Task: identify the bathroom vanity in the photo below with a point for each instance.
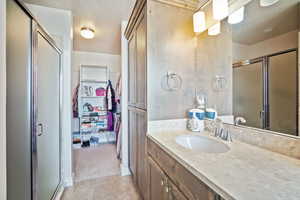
(168, 179)
(242, 172)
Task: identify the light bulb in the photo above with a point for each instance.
(199, 22)
(87, 33)
(220, 9)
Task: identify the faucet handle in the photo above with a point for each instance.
(239, 120)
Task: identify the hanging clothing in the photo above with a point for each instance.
(75, 102)
(110, 121)
(118, 89)
(110, 98)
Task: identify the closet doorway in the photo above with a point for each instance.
(95, 151)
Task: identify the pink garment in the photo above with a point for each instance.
(100, 92)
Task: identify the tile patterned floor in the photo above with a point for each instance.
(105, 188)
(96, 162)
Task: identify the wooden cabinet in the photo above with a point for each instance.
(182, 185)
(160, 186)
(132, 69)
(137, 64)
(132, 140)
(137, 95)
(174, 193)
(141, 119)
(157, 181)
(141, 69)
(137, 148)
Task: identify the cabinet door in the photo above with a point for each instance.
(141, 119)
(141, 65)
(133, 138)
(157, 182)
(132, 69)
(174, 193)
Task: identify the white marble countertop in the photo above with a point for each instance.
(245, 172)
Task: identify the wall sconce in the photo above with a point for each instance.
(237, 16)
(215, 29)
(199, 22)
(87, 33)
(220, 9)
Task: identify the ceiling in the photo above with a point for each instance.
(261, 23)
(104, 16)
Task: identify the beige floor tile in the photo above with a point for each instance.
(96, 162)
(105, 188)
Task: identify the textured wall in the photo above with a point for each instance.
(214, 57)
(171, 47)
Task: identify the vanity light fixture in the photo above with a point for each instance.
(237, 16)
(87, 33)
(199, 22)
(265, 3)
(215, 29)
(220, 9)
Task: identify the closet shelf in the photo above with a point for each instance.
(93, 81)
(93, 96)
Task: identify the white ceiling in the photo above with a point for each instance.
(104, 16)
(261, 23)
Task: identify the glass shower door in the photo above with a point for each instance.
(248, 93)
(47, 118)
(283, 93)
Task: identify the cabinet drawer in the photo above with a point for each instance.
(185, 181)
(164, 160)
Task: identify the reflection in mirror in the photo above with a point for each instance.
(265, 66)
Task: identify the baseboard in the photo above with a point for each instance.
(125, 170)
(68, 182)
(59, 193)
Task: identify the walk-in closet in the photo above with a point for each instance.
(97, 122)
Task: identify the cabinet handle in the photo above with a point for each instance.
(167, 189)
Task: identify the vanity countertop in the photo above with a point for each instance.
(245, 172)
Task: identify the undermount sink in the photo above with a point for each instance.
(201, 143)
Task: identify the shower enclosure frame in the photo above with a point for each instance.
(265, 60)
(37, 29)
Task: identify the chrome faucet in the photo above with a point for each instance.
(239, 120)
(221, 132)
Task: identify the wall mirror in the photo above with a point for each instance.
(265, 70)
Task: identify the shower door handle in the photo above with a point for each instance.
(40, 129)
(262, 114)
